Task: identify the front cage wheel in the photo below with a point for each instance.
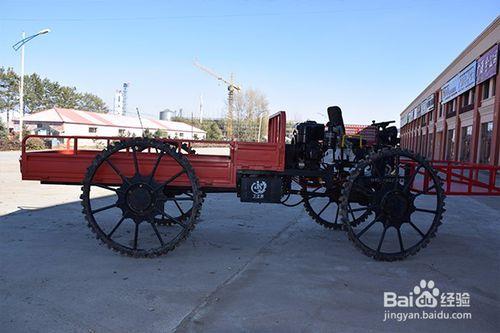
(150, 182)
(407, 200)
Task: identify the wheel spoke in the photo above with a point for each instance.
(416, 228)
(171, 179)
(361, 208)
(179, 207)
(136, 163)
(173, 219)
(103, 208)
(179, 199)
(321, 211)
(366, 190)
(359, 234)
(352, 214)
(136, 235)
(430, 211)
(396, 170)
(412, 179)
(106, 187)
(400, 238)
(116, 227)
(316, 189)
(157, 163)
(337, 214)
(157, 234)
(116, 170)
(427, 191)
(381, 240)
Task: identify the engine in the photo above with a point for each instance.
(306, 149)
(311, 141)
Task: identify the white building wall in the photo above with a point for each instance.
(83, 130)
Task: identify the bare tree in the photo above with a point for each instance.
(251, 115)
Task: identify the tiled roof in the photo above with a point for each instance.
(60, 115)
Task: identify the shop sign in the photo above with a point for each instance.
(460, 83)
(467, 78)
(487, 64)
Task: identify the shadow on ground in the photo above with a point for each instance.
(253, 268)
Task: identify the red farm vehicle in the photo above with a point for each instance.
(142, 196)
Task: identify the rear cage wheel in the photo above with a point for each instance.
(141, 214)
(322, 203)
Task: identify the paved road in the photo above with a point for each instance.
(251, 268)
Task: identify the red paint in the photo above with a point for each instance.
(69, 166)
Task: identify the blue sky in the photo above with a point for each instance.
(370, 57)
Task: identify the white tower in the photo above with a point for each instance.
(118, 106)
(124, 98)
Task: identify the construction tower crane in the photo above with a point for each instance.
(231, 88)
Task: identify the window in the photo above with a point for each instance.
(465, 99)
(465, 143)
(92, 129)
(485, 146)
(486, 89)
(121, 131)
(451, 107)
(450, 145)
(39, 125)
(181, 135)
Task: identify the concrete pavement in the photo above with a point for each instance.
(246, 268)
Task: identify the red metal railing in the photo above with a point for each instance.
(460, 178)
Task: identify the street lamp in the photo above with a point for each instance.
(16, 47)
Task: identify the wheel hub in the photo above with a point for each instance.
(396, 207)
(140, 197)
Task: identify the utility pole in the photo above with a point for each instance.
(201, 108)
(21, 93)
(192, 124)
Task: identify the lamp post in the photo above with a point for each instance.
(16, 47)
(260, 116)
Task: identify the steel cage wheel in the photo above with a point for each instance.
(405, 218)
(324, 207)
(127, 220)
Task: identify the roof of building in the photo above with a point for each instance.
(61, 115)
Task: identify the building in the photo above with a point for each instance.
(59, 121)
(457, 117)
